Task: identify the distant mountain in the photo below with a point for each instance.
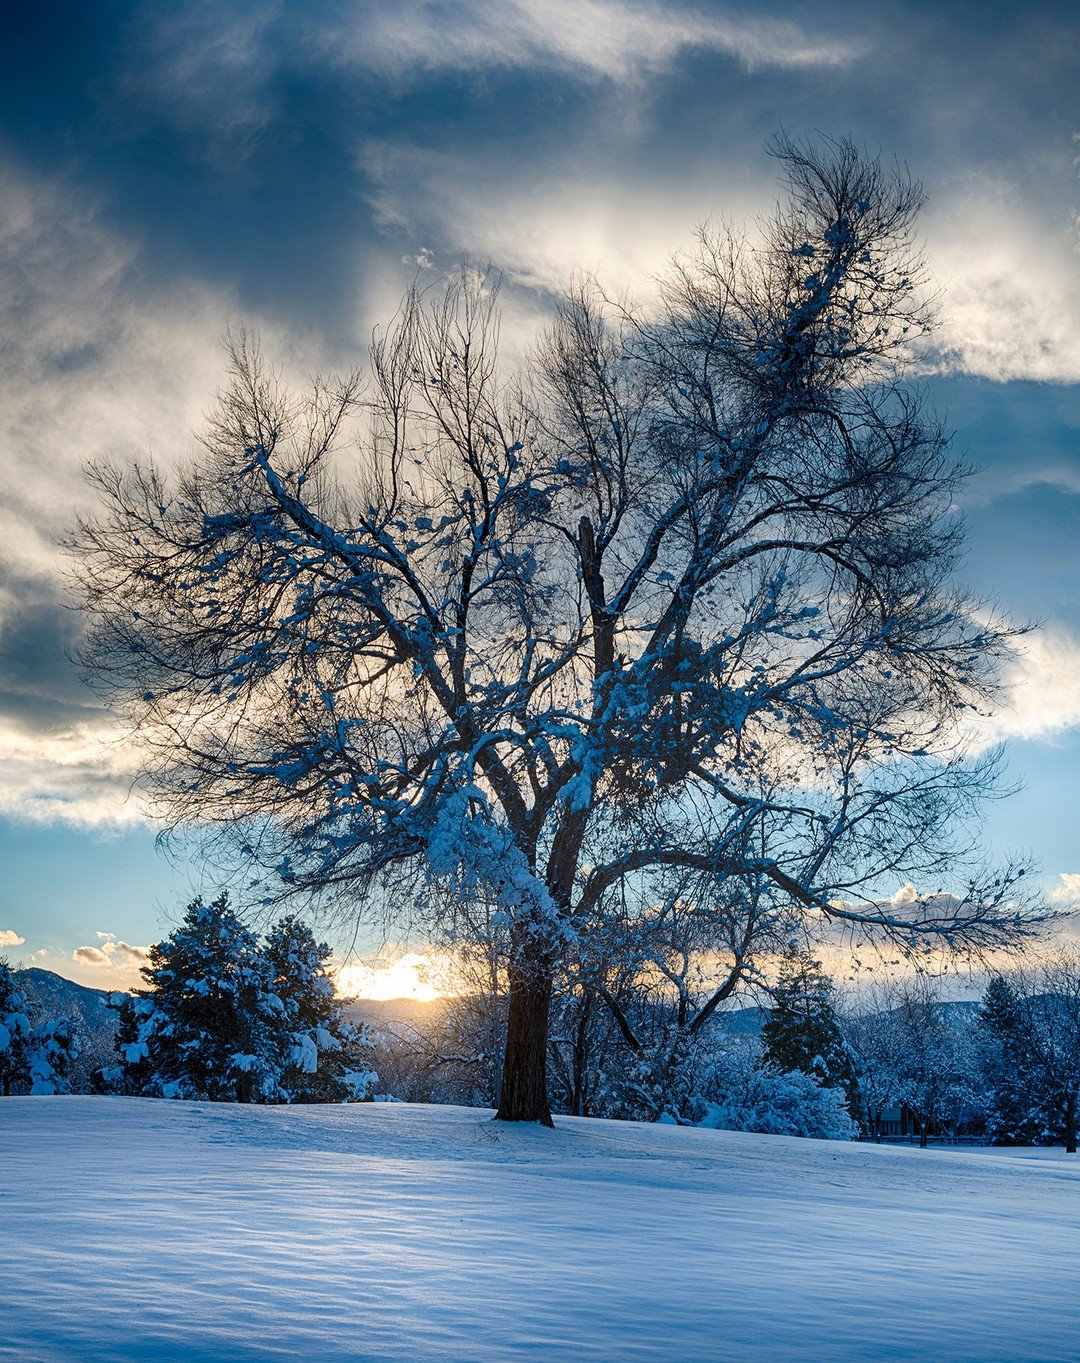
(414, 1013)
(741, 1021)
(52, 996)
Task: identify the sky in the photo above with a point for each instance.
(169, 170)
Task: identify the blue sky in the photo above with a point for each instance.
(168, 170)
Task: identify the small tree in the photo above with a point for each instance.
(328, 1057)
(209, 1025)
(802, 1031)
(133, 1074)
(33, 1059)
(672, 616)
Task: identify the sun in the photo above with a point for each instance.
(411, 976)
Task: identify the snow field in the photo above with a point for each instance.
(142, 1229)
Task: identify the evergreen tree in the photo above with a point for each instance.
(1011, 1119)
(802, 1032)
(132, 1075)
(14, 1033)
(210, 1025)
(33, 1059)
(327, 1054)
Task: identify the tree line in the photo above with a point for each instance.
(896, 1059)
(227, 1016)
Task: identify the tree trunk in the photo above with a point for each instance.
(581, 1056)
(922, 1136)
(524, 1095)
(1070, 1127)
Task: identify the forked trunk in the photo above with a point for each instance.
(524, 1095)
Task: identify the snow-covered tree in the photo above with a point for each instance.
(1047, 994)
(670, 617)
(329, 1057)
(911, 1050)
(33, 1058)
(1012, 1116)
(802, 1031)
(210, 1024)
(14, 1032)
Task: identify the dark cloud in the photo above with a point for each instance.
(39, 687)
(167, 169)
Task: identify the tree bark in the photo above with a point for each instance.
(1070, 1127)
(524, 1096)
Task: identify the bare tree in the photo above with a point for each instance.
(672, 618)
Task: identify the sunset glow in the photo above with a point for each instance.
(411, 976)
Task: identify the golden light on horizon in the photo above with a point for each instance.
(413, 975)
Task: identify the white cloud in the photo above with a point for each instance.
(76, 775)
(210, 70)
(1067, 890)
(1011, 287)
(603, 39)
(99, 360)
(1044, 689)
(10, 938)
(115, 964)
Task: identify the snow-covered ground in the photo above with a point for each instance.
(135, 1229)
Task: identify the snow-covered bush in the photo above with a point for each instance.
(725, 1082)
(782, 1104)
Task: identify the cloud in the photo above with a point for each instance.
(1044, 689)
(600, 39)
(217, 75)
(1067, 890)
(1011, 287)
(100, 360)
(114, 964)
(209, 72)
(10, 938)
(75, 774)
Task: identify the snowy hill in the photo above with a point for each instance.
(138, 1229)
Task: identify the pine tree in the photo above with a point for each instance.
(132, 1075)
(802, 1032)
(327, 1054)
(15, 1031)
(1011, 1120)
(33, 1059)
(210, 1025)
